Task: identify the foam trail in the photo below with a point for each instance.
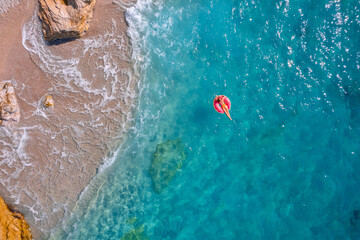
(6, 5)
(277, 122)
(94, 88)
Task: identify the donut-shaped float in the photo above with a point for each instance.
(217, 104)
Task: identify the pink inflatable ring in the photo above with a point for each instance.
(217, 104)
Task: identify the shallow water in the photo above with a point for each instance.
(49, 157)
(286, 167)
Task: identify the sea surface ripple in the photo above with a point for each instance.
(286, 167)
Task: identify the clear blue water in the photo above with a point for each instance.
(286, 167)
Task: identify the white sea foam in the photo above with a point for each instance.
(13, 159)
(69, 73)
(125, 4)
(68, 137)
(97, 47)
(100, 49)
(6, 5)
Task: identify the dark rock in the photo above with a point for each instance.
(9, 108)
(167, 159)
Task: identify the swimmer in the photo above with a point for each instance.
(224, 107)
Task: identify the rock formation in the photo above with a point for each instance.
(49, 101)
(168, 158)
(65, 18)
(135, 234)
(12, 224)
(9, 108)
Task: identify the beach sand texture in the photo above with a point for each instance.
(50, 156)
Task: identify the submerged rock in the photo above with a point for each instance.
(49, 101)
(135, 234)
(168, 158)
(12, 224)
(65, 18)
(9, 108)
(355, 217)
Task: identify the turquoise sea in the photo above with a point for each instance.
(286, 167)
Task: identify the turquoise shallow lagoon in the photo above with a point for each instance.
(286, 167)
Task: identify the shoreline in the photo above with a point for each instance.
(48, 151)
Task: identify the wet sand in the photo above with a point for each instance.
(50, 156)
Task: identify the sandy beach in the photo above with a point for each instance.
(51, 155)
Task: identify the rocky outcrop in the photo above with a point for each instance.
(135, 234)
(12, 224)
(9, 108)
(49, 101)
(65, 18)
(168, 158)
